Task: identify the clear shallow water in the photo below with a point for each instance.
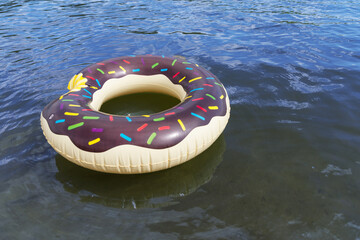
(286, 167)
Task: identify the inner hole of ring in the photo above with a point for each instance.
(137, 104)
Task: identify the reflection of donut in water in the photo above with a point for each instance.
(76, 129)
(156, 189)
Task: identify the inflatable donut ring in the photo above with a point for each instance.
(76, 129)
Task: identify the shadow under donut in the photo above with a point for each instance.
(144, 190)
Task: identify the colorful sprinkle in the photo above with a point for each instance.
(154, 65)
(176, 74)
(142, 60)
(198, 116)
(181, 125)
(142, 127)
(111, 72)
(164, 128)
(222, 96)
(209, 85)
(186, 63)
(189, 68)
(151, 138)
(92, 142)
(87, 91)
(74, 105)
(170, 113)
(211, 96)
(158, 119)
(71, 114)
(86, 109)
(93, 87)
(90, 77)
(203, 109)
(182, 79)
(75, 125)
(188, 97)
(101, 64)
(60, 121)
(173, 63)
(122, 69)
(164, 70)
(67, 100)
(129, 119)
(86, 96)
(98, 82)
(127, 138)
(100, 70)
(146, 116)
(136, 70)
(218, 84)
(76, 95)
(90, 117)
(197, 89)
(213, 107)
(197, 99)
(126, 61)
(209, 78)
(111, 118)
(194, 79)
(61, 106)
(97, 129)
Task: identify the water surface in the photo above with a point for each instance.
(286, 166)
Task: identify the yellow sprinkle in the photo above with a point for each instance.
(145, 115)
(196, 65)
(61, 97)
(188, 97)
(213, 107)
(93, 87)
(222, 96)
(111, 72)
(94, 141)
(181, 124)
(122, 69)
(194, 79)
(182, 79)
(71, 113)
(74, 105)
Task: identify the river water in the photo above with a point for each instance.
(286, 167)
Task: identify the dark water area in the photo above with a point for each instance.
(286, 167)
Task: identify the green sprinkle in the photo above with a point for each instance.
(75, 125)
(211, 96)
(218, 84)
(90, 117)
(154, 65)
(158, 119)
(151, 138)
(67, 100)
(186, 63)
(173, 63)
(100, 70)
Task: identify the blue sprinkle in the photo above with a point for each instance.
(189, 68)
(198, 116)
(60, 121)
(129, 119)
(86, 96)
(125, 137)
(132, 55)
(163, 56)
(196, 89)
(164, 69)
(98, 82)
(87, 91)
(209, 78)
(136, 70)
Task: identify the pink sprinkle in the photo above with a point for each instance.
(100, 63)
(197, 99)
(171, 113)
(111, 118)
(164, 128)
(203, 109)
(176, 74)
(61, 106)
(115, 62)
(72, 94)
(86, 110)
(142, 60)
(90, 77)
(208, 85)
